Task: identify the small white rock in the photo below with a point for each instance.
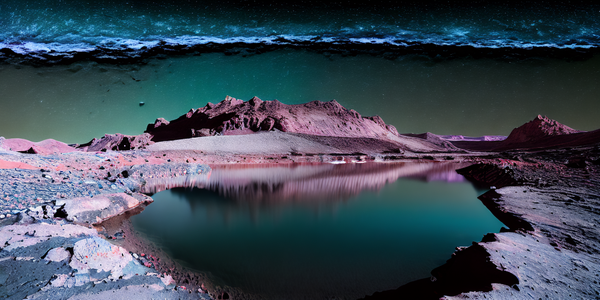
(58, 254)
(2, 216)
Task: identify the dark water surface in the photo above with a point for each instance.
(126, 28)
(318, 231)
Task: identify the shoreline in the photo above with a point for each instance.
(63, 208)
(102, 214)
(492, 242)
(550, 247)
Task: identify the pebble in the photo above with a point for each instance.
(2, 216)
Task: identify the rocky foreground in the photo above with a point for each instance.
(62, 206)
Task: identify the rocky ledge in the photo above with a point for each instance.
(62, 206)
(550, 202)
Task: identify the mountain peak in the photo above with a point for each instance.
(538, 128)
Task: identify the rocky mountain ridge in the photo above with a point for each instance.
(233, 117)
(538, 128)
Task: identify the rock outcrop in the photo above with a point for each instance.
(540, 133)
(539, 127)
(90, 211)
(118, 141)
(233, 117)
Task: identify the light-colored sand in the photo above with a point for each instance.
(277, 142)
(45, 147)
(272, 142)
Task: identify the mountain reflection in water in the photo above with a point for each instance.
(318, 182)
(317, 231)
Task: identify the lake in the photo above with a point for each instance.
(318, 231)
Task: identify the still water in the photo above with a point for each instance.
(318, 231)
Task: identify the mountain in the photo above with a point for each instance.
(234, 117)
(540, 133)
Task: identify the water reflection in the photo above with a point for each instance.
(318, 231)
(318, 182)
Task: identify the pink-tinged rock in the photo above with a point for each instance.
(96, 253)
(15, 236)
(118, 141)
(14, 164)
(540, 133)
(232, 115)
(86, 210)
(44, 147)
(161, 121)
(538, 128)
(59, 281)
(58, 254)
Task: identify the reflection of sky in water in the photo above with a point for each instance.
(350, 245)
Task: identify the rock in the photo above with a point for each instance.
(168, 281)
(538, 128)
(57, 254)
(118, 142)
(16, 236)
(160, 122)
(232, 116)
(96, 253)
(94, 210)
(540, 133)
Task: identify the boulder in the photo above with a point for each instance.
(94, 210)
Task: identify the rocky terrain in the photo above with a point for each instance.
(62, 207)
(550, 202)
(540, 133)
